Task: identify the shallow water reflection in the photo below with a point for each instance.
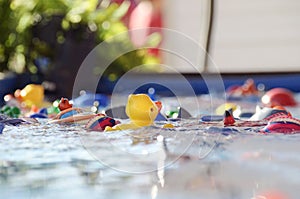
(43, 161)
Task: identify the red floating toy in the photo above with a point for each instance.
(279, 97)
(228, 119)
(286, 125)
(100, 122)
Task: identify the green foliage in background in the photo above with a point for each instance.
(19, 49)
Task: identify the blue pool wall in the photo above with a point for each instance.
(289, 81)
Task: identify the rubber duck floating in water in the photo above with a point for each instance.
(141, 111)
(32, 94)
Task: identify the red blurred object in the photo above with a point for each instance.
(272, 195)
(159, 105)
(64, 104)
(248, 88)
(34, 109)
(279, 97)
(228, 119)
(146, 16)
(282, 124)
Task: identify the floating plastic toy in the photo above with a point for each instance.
(260, 118)
(248, 89)
(177, 113)
(11, 111)
(100, 122)
(38, 115)
(49, 112)
(235, 109)
(69, 114)
(226, 107)
(141, 111)
(119, 112)
(32, 94)
(286, 125)
(267, 113)
(52, 110)
(64, 104)
(228, 119)
(279, 97)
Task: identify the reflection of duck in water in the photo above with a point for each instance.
(68, 113)
(141, 111)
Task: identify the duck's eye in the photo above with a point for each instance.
(152, 109)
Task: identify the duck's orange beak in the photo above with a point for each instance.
(159, 105)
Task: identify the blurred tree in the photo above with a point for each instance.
(50, 38)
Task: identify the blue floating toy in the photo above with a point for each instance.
(69, 114)
(43, 111)
(38, 115)
(211, 118)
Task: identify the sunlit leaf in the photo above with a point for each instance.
(65, 24)
(121, 10)
(17, 63)
(19, 47)
(24, 22)
(10, 40)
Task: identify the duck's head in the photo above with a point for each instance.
(64, 104)
(141, 110)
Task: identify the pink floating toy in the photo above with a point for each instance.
(286, 125)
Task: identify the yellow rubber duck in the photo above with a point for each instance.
(141, 111)
(32, 94)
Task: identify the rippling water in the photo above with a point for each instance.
(66, 161)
